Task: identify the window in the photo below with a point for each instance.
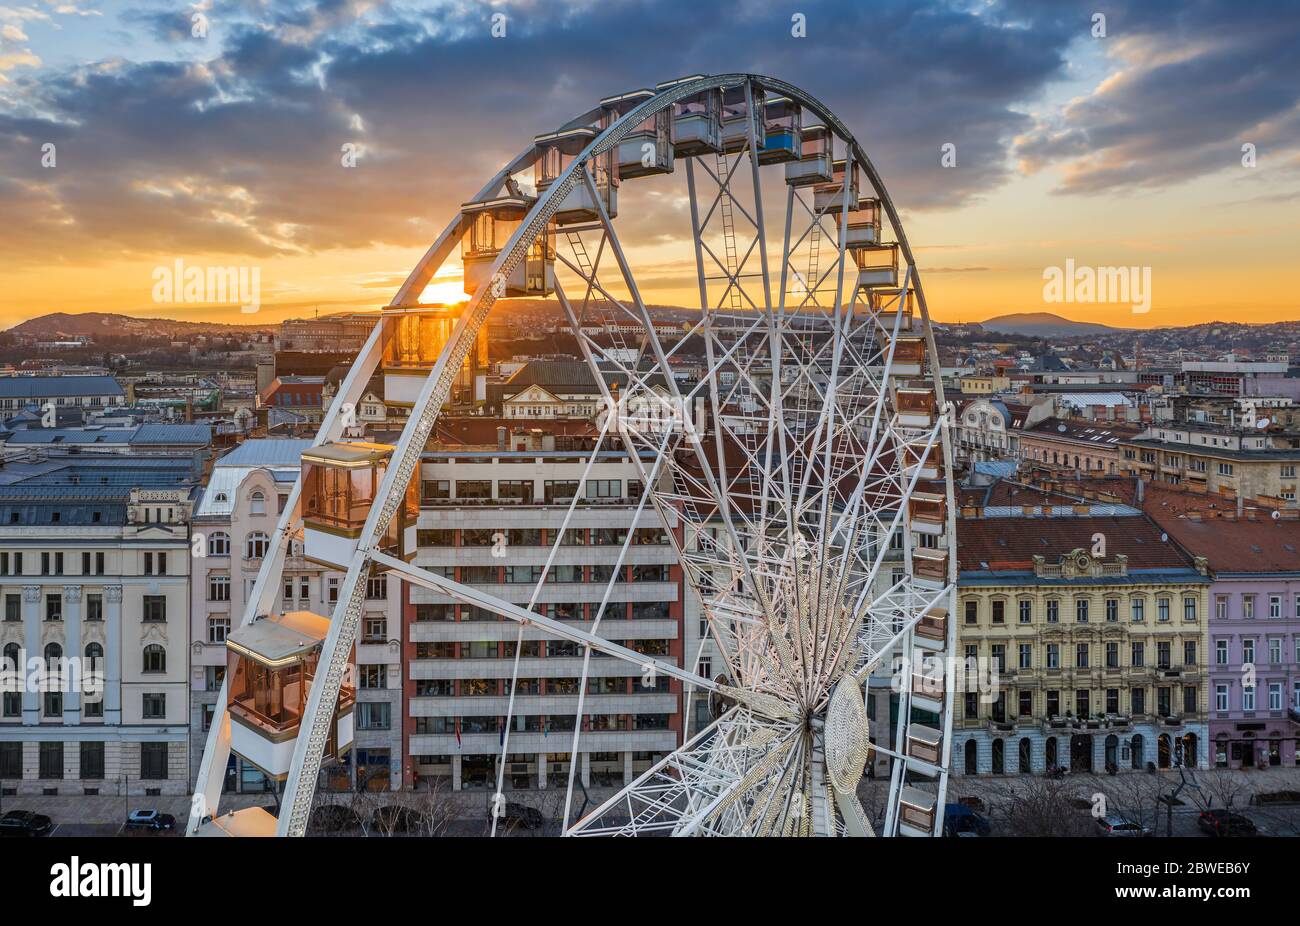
(1274, 605)
(1275, 696)
(375, 630)
(1138, 701)
(54, 607)
(1081, 655)
(1221, 607)
(1221, 698)
(155, 658)
(51, 761)
(332, 589)
(1112, 610)
(999, 612)
(1112, 655)
(1162, 609)
(431, 489)
(218, 588)
(154, 609)
(1137, 654)
(1221, 652)
(1189, 608)
(1137, 610)
(972, 612)
(1274, 650)
(1162, 655)
(1247, 698)
(1026, 656)
(372, 677)
(521, 489)
(473, 488)
(1248, 650)
(218, 544)
(1081, 610)
(557, 490)
(1190, 699)
(11, 760)
(1248, 607)
(1026, 611)
(1053, 704)
(257, 503)
(218, 628)
(1053, 656)
(1026, 706)
(92, 760)
(256, 545)
(153, 706)
(94, 607)
(13, 608)
(153, 760)
(604, 488)
(1053, 611)
(374, 715)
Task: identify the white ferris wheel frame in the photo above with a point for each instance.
(696, 788)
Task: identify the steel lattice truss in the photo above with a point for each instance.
(784, 474)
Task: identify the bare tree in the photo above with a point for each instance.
(1036, 806)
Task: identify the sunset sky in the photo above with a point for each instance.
(225, 149)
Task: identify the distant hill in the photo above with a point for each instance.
(1044, 324)
(90, 324)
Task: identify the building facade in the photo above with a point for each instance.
(95, 639)
(489, 517)
(1086, 635)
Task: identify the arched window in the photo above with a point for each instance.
(972, 766)
(218, 544)
(93, 652)
(53, 653)
(1049, 751)
(155, 658)
(256, 545)
(257, 503)
(999, 756)
(1137, 751)
(13, 652)
(1026, 753)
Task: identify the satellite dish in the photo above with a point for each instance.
(1263, 423)
(1164, 538)
(1276, 514)
(1061, 428)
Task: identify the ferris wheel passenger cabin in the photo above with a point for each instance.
(877, 265)
(861, 224)
(491, 224)
(648, 148)
(697, 120)
(814, 164)
(340, 484)
(828, 198)
(555, 152)
(782, 141)
(270, 664)
(738, 116)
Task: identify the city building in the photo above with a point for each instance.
(1092, 628)
(1234, 462)
(1254, 633)
(95, 635)
(489, 517)
(37, 392)
(1076, 445)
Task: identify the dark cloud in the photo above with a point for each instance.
(239, 152)
(1193, 82)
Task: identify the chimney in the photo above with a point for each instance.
(1141, 490)
(1241, 502)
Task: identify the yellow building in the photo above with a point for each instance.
(1088, 632)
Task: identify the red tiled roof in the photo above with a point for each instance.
(1017, 541)
(1232, 544)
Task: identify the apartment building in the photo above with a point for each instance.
(233, 523)
(94, 579)
(1092, 627)
(489, 517)
(1236, 462)
(1254, 633)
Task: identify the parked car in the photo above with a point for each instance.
(1114, 825)
(25, 823)
(530, 818)
(960, 820)
(149, 819)
(394, 819)
(332, 819)
(1225, 823)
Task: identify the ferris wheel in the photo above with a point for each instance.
(790, 436)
